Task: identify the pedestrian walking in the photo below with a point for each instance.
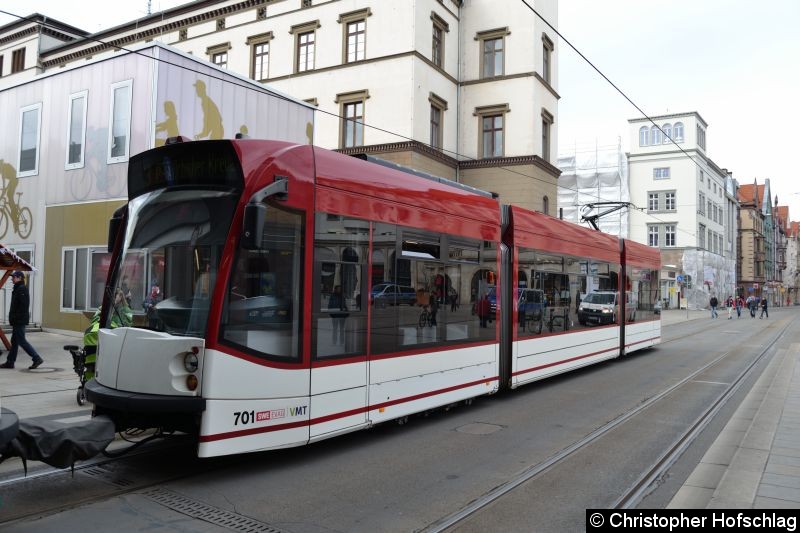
(729, 303)
(18, 317)
(713, 303)
(764, 307)
(484, 308)
(739, 305)
(751, 306)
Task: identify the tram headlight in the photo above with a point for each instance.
(191, 362)
(191, 382)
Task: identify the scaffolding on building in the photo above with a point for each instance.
(591, 174)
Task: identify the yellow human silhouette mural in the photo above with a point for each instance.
(310, 132)
(169, 126)
(212, 120)
(21, 218)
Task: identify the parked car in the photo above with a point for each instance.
(602, 307)
(384, 294)
(529, 301)
(598, 307)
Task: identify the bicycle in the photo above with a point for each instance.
(532, 322)
(425, 317)
(22, 220)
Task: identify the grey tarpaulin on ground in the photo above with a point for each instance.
(58, 444)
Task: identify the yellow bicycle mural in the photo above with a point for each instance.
(21, 218)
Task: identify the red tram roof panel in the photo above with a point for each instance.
(641, 255)
(549, 234)
(366, 179)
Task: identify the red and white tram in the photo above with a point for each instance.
(286, 294)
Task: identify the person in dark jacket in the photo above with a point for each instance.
(18, 317)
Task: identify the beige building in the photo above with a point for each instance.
(456, 88)
(751, 263)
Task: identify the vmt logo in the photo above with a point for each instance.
(297, 411)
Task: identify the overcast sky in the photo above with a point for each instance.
(735, 62)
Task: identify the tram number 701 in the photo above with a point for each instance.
(243, 417)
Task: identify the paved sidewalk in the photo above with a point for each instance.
(48, 390)
(755, 461)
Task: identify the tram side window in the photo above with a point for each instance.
(263, 313)
(423, 289)
(642, 293)
(338, 318)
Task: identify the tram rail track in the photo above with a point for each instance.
(633, 494)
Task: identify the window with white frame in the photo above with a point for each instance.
(259, 55)
(661, 173)
(669, 201)
(677, 132)
(701, 204)
(356, 40)
(652, 236)
(652, 201)
(669, 235)
(119, 126)
(644, 136)
(667, 129)
(76, 130)
(305, 51)
(83, 277)
(30, 122)
(709, 213)
(701, 176)
(655, 135)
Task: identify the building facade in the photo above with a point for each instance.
(687, 208)
(780, 285)
(456, 88)
(791, 275)
(752, 259)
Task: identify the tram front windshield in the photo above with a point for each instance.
(173, 246)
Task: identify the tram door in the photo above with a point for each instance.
(339, 325)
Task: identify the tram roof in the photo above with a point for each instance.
(639, 254)
(366, 178)
(548, 234)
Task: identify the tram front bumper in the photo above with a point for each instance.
(136, 402)
(138, 410)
